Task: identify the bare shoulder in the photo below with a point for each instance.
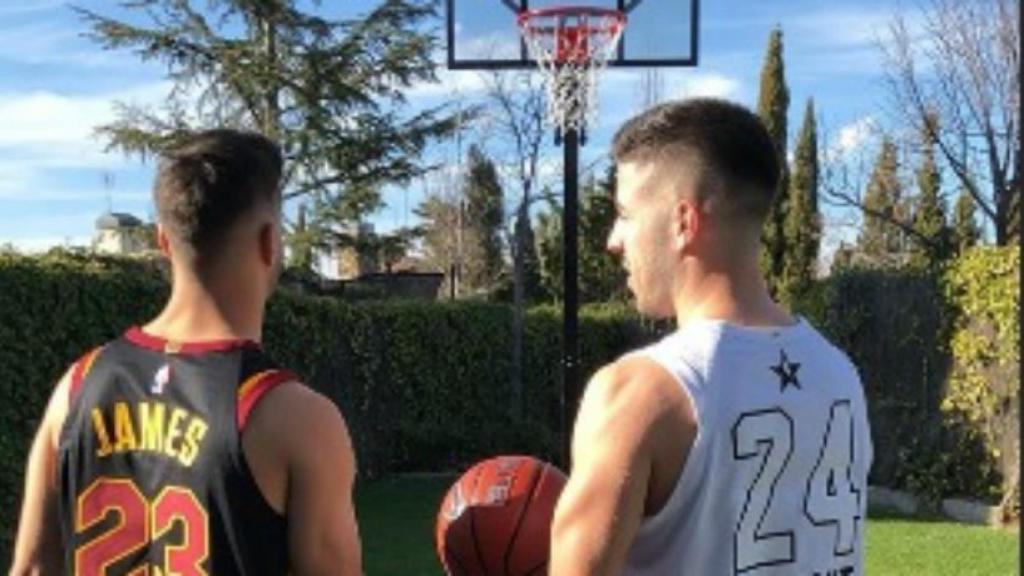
(294, 411)
(637, 387)
(57, 408)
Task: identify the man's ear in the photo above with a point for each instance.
(686, 222)
(162, 241)
(268, 244)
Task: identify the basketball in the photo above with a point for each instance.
(496, 519)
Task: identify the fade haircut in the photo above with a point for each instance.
(210, 180)
(737, 163)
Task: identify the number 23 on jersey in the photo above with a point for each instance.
(136, 524)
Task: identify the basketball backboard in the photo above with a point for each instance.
(483, 34)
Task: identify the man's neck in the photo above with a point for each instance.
(197, 313)
(740, 297)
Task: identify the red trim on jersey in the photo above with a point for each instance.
(81, 370)
(250, 392)
(135, 335)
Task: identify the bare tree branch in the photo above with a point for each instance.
(964, 66)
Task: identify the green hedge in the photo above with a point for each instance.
(982, 403)
(427, 386)
(938, 357)
(423, 385)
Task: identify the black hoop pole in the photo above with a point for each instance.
(571, 384)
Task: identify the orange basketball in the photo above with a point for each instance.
(496, 519)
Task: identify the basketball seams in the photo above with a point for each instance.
(472, 522)
(455, 558)
(508, 541)
(537, 474)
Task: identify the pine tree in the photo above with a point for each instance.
(532, 291)
(602, 277)
(482, 246)
(803, 222)
(773, 107)
(880, 240)
(551, 249)
(331, 92)
(932, 247)
(966, 232)
(301, 243)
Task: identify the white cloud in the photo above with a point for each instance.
(709, 85)
(851, 138)
(51, 166)
(49, 117)
(43, 131)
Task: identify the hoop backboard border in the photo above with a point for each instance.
(526, 63)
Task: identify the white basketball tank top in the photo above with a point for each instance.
(776, 480)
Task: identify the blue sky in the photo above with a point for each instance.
(56, 86)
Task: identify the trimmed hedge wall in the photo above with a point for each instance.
(938, 354)
(426, 386)
(423, 385)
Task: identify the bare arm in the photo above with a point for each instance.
(323, 537)
(38, 547)
(626, 412)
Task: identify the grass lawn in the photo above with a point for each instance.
(903, 546)
(396, 517)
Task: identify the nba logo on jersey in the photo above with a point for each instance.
(160, 379)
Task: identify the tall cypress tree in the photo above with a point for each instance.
(772, 107)
(482, 246)
(601, 275)
(531, 264)
(932, 247)
(966, 232)
(802, 229)
(880, 240)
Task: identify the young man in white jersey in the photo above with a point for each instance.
(738, 444)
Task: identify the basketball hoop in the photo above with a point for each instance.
(572, 45)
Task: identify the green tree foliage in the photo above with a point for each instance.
(803, 222)
(440, 229)
(551, 250)
(773, 107)
(929, 247)
(532, 291)
(880, 240)
(966, 232)
(483, 261)
(301, 242)
(601, 277)
(332, 92)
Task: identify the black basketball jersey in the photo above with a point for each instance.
(152, 475)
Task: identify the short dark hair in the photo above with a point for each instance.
(730, 143)
(210, 179)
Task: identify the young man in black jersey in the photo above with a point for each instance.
(180, 447)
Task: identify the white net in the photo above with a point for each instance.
(572, 46)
